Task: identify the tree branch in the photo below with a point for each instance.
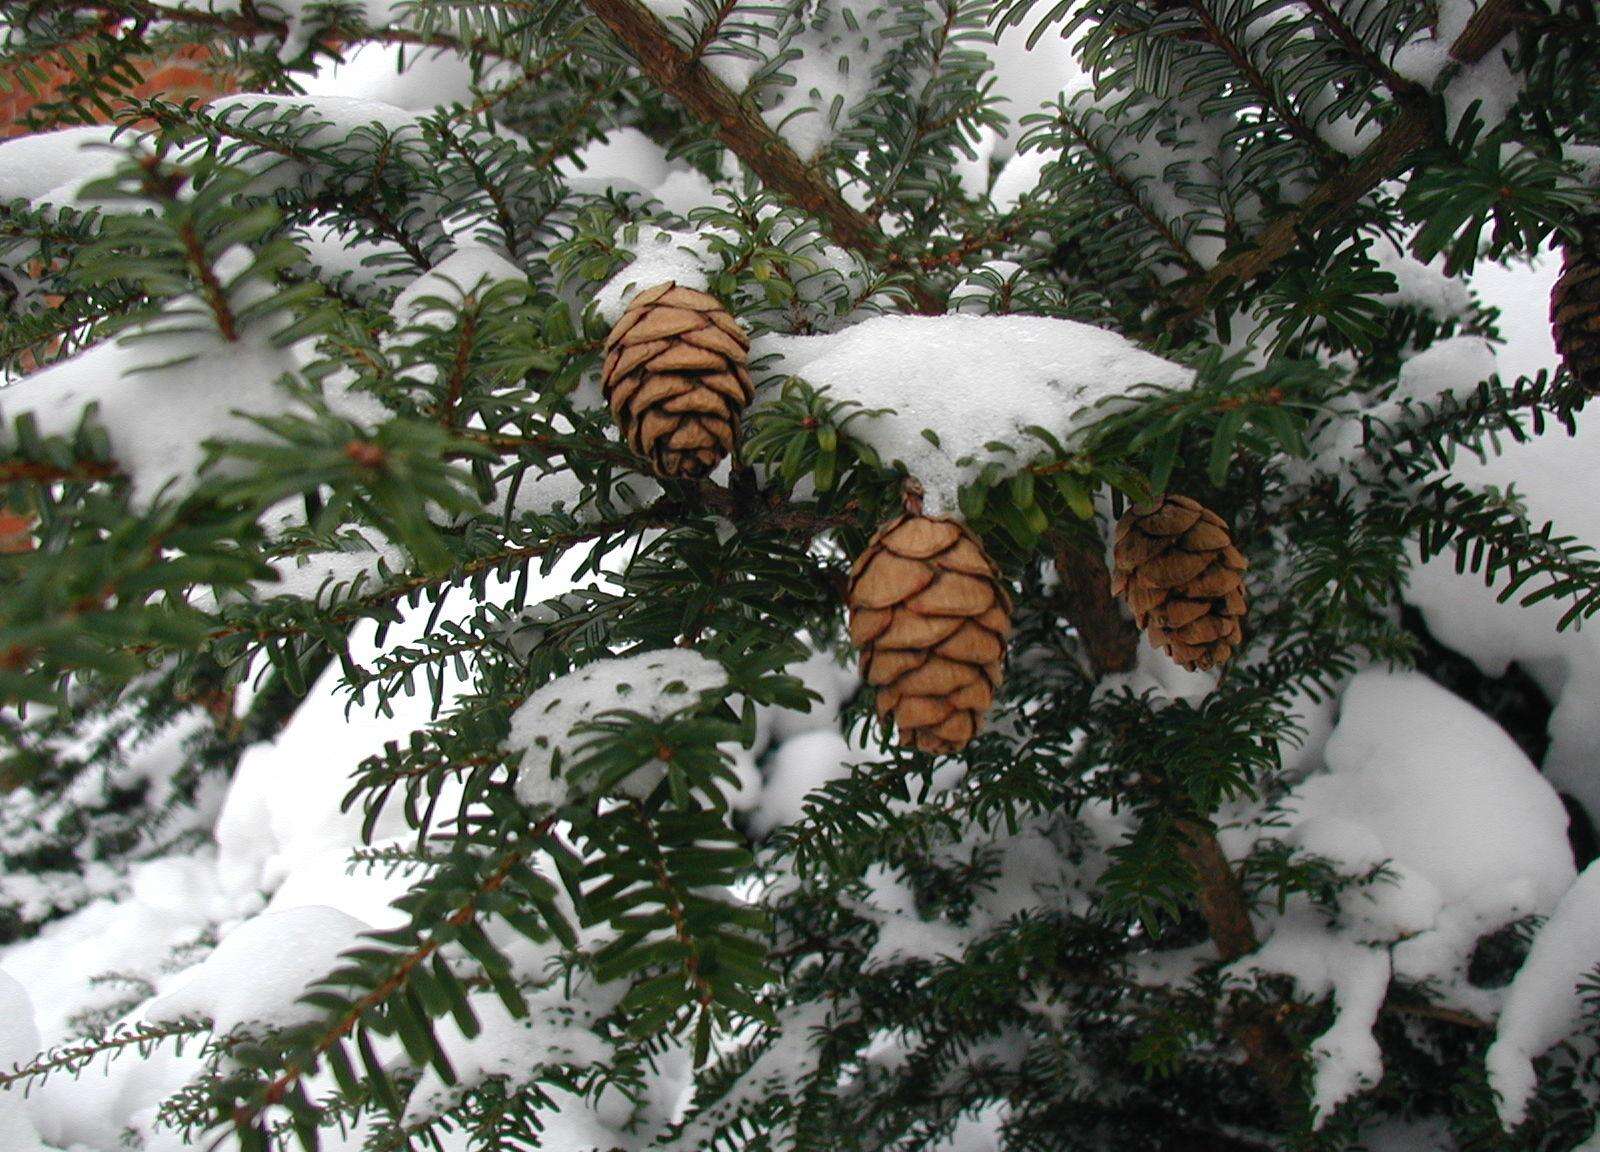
(685, 77)
(1396, 149)
(1112, 641)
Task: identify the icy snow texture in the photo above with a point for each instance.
(253, 978)
(653, 684)
(50, 167)
(429, 79)
(972, 381)
(1543, 1005)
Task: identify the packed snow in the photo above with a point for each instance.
(1544, 1001)
(962, 391)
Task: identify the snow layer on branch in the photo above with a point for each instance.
(556, 1031)
(50, 167)
(1554, 477)
(1470, 838)
(1346, 1057)
(659, 255)
(1544, 1006)
(838, 48)
(625, 160)
(977, 383)
(162, 391)
(405, 77)
(257, 974)
(654, 684)
(466, 270)
(1438, 788)
(343, 123)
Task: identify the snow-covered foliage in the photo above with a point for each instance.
(392, 762)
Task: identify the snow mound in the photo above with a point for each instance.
(1445, 793)
(659, 255)
(975, 382)
(1543, 1006)
(654, 684)
(1472, 839)
(256, 976)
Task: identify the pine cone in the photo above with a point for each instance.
(676, 380)
(1575, 314)
(931, 617)
(1178, 570)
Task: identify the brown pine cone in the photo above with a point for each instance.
(931, 617)
(675, 376)
(1575, 314)
(1179, 572)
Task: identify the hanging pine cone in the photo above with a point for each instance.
(1179, 572)
(931, 617)
(676, 380)
(1575, 314)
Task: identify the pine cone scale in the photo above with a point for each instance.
(1575, 314)
(676, 380)
(931, 618)
(1178, 571)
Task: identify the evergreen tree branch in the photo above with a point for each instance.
(739, 126)
(1112, 640)
(246, 1115)
(1396, 149)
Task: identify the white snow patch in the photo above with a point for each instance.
(1543, 1006)
(50, 167)
(259, 971)
(659, 255)
(654, 684)
(973, 381)
(165, 389)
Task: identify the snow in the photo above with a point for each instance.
(163, 399)
(322, 576)
(1543, 1006)
(415, 80)
(1471, 838)
(50, 167)
(1420, 285)
(837, 48)
(1447, 795)
(653, 684)
(659, 255)
(626, 160)
(973, 381)
(1346, 1057)
(258, 972)
(342, 124)
(466, 270)
(19, 1043)
(797, 768)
